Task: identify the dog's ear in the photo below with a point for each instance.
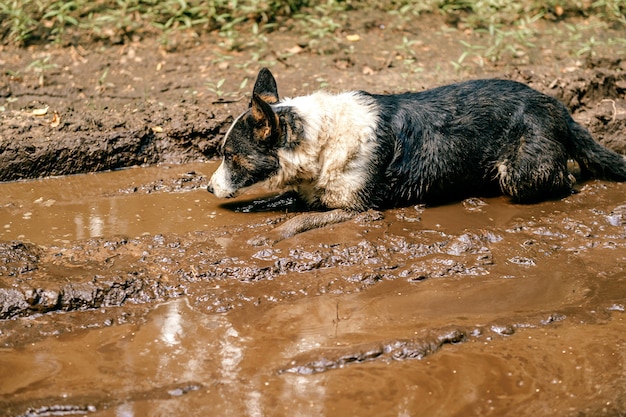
(265, 119)
(265, 87)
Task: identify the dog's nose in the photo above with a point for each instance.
(209, 188)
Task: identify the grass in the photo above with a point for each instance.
(40, 66)
(35, 21)
(507, 27)
(24, 21)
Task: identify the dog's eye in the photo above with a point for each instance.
(227, 153)
(232, 158)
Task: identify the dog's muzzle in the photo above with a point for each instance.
(220, 184)
(221, 193)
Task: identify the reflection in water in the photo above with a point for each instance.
(312, 326)
(89, 206)
(180, 361)
(176, 353)
(309, 393)
(124, 410)
(231, 354)
(96, 226)
(80, 226)
(254, 407)
(172, 329)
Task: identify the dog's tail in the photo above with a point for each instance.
(595, 160)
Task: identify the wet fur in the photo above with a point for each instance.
(354, 151)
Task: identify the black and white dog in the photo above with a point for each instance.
(346, 153)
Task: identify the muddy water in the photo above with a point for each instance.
(131, 202)
(477, 308)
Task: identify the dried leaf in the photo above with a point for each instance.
(367, 70)
(295, 50)
(40, 112)
(56, 120)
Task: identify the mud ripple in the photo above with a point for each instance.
(417, 348)
(59, 410)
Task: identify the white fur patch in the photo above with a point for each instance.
(220, 180)
(221, 183)
(331, 163)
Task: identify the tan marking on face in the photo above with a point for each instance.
(263, 133)
(243, 162)
(268, 98)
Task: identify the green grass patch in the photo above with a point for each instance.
(24, 22)
(38, 21)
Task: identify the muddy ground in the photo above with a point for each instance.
(135, 292)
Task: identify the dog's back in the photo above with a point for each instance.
(479, 136)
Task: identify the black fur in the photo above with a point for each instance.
(448, 142)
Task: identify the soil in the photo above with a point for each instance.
(136, 292)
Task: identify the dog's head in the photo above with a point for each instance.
(249, 149)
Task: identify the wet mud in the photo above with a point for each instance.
(135, 292)
(481, 307)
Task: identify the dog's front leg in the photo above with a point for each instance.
(304, 222)
(310, 221)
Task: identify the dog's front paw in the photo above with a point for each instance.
(302, 223)
(271, 238)
(260, 241)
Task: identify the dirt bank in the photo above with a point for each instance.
(93, 108)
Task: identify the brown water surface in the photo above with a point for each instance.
(131, 202)
(477, 308)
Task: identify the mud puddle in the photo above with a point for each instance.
(375, 353)
(477, 308)
(131, 202)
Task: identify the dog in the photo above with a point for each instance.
(346, 153)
